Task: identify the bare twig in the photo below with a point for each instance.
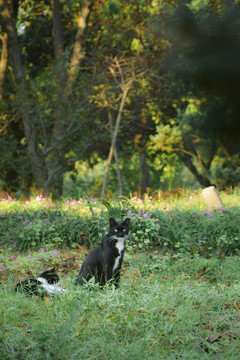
(7, 123)
(125, 87)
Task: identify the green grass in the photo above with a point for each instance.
(180, 290)
(165, 309)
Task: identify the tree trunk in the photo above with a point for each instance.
(23, 98)
(144, 176)
(57, 29)
(120, 183)
(77, 51)
(187, 160)
(3, 62)
(140, 140)
(65, 85)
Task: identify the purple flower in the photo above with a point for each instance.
(139, 224)
(156, 252)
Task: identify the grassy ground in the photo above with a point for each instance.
(172, 304)
(165, 309)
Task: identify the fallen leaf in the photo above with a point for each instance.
(213, 338)
(83, 235)
(21, 326)
(201, 272)
(81, 248)
(237, 305)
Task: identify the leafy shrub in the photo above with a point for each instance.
(175, 230)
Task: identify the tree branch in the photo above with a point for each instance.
(77, 50)
(125, 88)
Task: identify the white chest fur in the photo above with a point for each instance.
(120, 244)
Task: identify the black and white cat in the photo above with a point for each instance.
(104, 261)
(46, 284)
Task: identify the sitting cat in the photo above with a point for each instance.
(104, 261)
(46, 284)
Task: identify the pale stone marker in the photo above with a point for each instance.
(212, 197)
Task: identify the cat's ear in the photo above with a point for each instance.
(52, 270)
(112, 222)
(126, 221)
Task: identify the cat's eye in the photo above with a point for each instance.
(124, 230)
(116, 230)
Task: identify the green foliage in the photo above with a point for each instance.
(207, 74)
(184, 227)
(183, 58)
(87, 177)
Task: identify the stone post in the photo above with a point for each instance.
(212, 197)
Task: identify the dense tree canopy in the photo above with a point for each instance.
(116, 92)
